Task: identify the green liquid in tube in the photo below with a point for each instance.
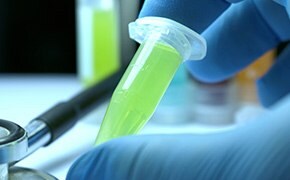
(105, 45)
(140, 90)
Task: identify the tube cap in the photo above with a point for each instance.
(189, 43)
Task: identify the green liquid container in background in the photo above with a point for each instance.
(164, 45)
(98, 41)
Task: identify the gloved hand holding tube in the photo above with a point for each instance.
(259, 150)
(165, 44)
(242, 34)
(140, 89)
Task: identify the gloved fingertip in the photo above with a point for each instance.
(205, 72)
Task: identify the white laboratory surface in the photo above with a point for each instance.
(23, 97)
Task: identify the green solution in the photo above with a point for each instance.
(140, 90)
(105, 45)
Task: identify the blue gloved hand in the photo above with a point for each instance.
(239, 36)
(197, 15)
(258, 151)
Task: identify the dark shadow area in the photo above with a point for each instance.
(37, 36)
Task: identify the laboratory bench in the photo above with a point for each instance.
(25, 96)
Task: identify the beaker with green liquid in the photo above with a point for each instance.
(165, 44)
(98, 40)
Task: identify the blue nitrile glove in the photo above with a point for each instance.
(258, 151)
(197, 14)
(242, 34)
(238, 37)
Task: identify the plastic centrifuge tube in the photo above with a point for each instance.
(164, 45)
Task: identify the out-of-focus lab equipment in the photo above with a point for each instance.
(16, 143)
(247, 77)
(98, 40)
(102, 34)
(214, 104)
(247, 93)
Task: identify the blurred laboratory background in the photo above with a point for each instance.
(89, 38)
